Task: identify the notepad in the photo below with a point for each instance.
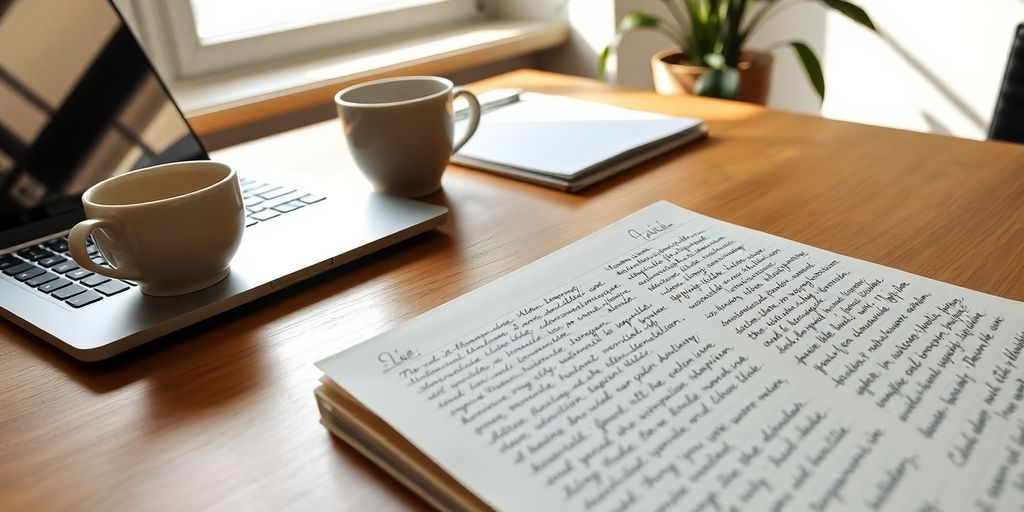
(567, 143)
(672, 361)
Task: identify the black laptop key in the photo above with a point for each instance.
(29, 274)
(78, 274)
(41, 279)
(84, 299)
(57, 245)
(112, 287)
(14, 270)
(54, 285)
(65, 267)
(9, 261)
(94, 280)
(51, 261)
(68, 291)
(34, 253)
(92, 250)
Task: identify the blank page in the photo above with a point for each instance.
(564, 136)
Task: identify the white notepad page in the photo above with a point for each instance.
(676, 362)
(563, 136)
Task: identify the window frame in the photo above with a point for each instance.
(169, 32)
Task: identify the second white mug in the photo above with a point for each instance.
(400, 131)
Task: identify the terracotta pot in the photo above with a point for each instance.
(673, 76)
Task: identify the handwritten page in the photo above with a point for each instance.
(675, 362)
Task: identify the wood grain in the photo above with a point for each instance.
(222, 415)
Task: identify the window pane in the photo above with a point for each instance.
(218, 21)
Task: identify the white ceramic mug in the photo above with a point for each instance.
(401, 131)
(172, 228)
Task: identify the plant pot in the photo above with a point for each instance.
(673, 76)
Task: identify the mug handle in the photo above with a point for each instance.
(76, 245)
(474, 115)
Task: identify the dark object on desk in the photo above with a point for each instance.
(1008, 118)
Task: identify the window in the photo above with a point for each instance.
(189, 38)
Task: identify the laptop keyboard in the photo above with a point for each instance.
(264, 201)
(49, 269)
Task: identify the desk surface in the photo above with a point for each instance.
(222, 415)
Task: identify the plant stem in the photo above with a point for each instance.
(732, 41)
(677, 13)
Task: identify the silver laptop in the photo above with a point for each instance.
(81, 104)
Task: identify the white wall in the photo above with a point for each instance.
(591, 22)
(937, 66)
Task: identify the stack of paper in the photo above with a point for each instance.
(675, 362)
(568, 144)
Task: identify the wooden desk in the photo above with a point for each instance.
(222, 415)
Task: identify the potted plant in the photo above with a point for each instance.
(710, 58)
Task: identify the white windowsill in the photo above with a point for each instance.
(235, 97)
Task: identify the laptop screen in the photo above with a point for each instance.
(79, 103)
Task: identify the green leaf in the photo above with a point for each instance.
(731, 36)
(602, 62)
(851, 11)
(718, 83)
(693, 7)
(811, 66)
(635, 20)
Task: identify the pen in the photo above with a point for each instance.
(490, 100)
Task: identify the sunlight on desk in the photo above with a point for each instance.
(222, 415)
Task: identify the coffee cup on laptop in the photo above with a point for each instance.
(401, 131)
(171, 228)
